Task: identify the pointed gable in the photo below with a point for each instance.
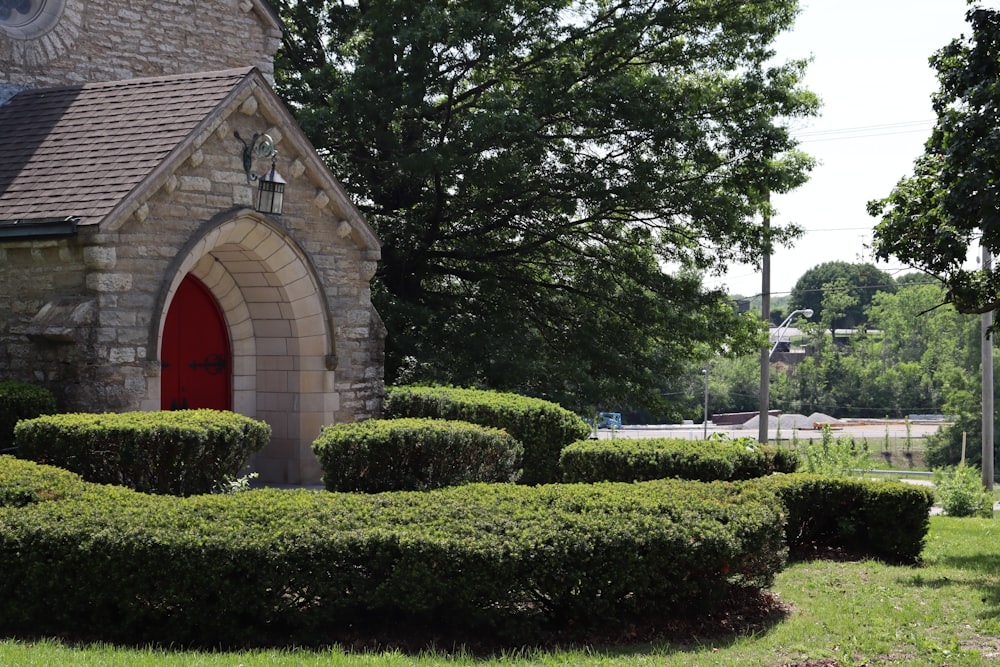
(77, 151)
(125, 175)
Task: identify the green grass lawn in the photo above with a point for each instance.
(945, 611)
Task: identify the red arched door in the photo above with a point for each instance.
(196, 358)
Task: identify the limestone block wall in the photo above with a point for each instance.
(295, 291)
(84, 315)
(33, 274)
(112, 40)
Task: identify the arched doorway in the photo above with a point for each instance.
(196, 357)
(280, 334)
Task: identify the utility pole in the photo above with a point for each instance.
(987, 361)
(765, 314)
(705, 422)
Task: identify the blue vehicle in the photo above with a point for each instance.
(609, 420)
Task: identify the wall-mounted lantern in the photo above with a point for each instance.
(270, 185)
(270, 192)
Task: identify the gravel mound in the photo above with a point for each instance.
(789, 421)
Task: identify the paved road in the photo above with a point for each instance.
(871, 430)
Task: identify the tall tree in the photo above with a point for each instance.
(859, 282)
(550, 178)
(937, 344)
(933, 218)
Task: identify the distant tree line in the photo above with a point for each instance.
(908, 352)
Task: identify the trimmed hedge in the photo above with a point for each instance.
(414, 455)
(543, 427)
(180, 452)
(888, 520)
(278, 566)
(25, 482)
(627, 460)
(19, 400)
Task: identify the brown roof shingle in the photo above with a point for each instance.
(78, 150)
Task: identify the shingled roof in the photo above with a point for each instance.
(76, 151)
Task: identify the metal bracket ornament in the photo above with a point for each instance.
(214, 364)
(262, 145)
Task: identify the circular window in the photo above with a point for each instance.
(29, 18)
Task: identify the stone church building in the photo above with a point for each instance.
(168, 236)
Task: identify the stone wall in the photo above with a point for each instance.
(84, 316)
(32, 275)
(112, 40)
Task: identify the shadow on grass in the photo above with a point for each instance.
(743, 613)
(748, 613)
(980, 571)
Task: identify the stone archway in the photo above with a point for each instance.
(280, 333)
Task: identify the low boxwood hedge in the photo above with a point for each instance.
(280, 566)
(180, 452)
(543, 427)
(25, 482)
(888, 520)
(414, 455)
(19, 400)
(627, 460)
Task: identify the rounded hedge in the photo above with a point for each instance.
(26, 482)
(269, 566)
(19, 400)
(888, 520)
(414, 455)
(627, 460)
(181, 452)
(543, 427)
(279, 566)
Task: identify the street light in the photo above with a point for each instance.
(705, 421)
(765, 369)
(805, 312)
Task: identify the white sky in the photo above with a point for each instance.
(870, 70)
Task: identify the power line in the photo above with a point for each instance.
(847, 288)
(865, 132)
(838, 229)
(843, 288)
(863, 136)
(866, 128)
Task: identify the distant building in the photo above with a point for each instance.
(741, 305)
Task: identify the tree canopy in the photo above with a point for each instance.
(933, 217)
(552, 178)
(858, 282)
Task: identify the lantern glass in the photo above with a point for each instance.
(271, 192)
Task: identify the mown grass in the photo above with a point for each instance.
(945, 611)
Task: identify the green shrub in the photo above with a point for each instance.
(888, 520)
(835, 457)
(25, 482)
(180, 452)
(784, 460)
(758, 460)
(960, 490)
(18, 401)
(944, 448)
(544, 428)
(626, 460)
(414, 455)
(304, 566)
